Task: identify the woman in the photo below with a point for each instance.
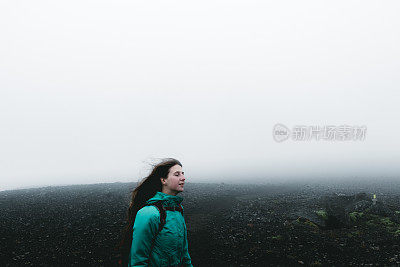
(156, 233)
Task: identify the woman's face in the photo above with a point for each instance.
(175, 181)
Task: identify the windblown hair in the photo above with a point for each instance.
(145, 190)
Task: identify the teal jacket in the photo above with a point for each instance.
(171, 246)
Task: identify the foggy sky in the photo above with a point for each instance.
(94, 91)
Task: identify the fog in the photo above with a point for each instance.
(95, 91)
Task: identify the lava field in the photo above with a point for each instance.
(286, 224)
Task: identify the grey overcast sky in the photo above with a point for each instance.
(93, 91)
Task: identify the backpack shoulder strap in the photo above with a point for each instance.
(163, 216)
(175, 208)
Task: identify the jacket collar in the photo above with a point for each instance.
(168, 200)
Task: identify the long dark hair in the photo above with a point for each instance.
(146, 189)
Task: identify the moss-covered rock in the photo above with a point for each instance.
(276, 237)
(322, 213)
(355, 216)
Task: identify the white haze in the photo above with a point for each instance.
(93, 91)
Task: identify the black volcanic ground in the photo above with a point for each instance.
(228, 225)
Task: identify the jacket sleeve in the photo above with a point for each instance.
(187, 261)
(144, 229)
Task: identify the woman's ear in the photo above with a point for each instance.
(163, 181)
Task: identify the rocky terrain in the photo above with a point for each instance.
(287, 224)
